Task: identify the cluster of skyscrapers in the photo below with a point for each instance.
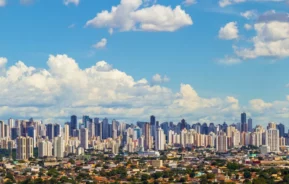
(92, 133)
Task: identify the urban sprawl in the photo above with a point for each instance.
(99, 151)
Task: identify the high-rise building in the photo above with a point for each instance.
(91, 129)
(183, 124)
(272, 125)
(222, 142)
(224, 126)
(73, 124)
(236, 138)
(42, 130)
(272, 139)
(137, 133)
(257, 136)
(105, 129)
(7, 131)
(66, 133)
(58, 147)
(153, 126)
(238, 126)
(165, 127)
(250, 125)
(84, 138)
(114, 129)
(2, 131)
(246, 138)
(197, 127)
(15, 132)
(57, 130)
(243, 122)
(152, 120)
(75, 133)
(211, 128)
(50, 131)
(24, 149)
(204, 129)
(109, 130)
(23, 129)
(17, 123)
(281, 129)
(11, 123)
(44, 149)
(160, 140)
(98, 129)
(147, 141)
(85, 121)
(32, 133)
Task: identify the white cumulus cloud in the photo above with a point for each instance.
(101, 44)
(247, 26)
(130, 15)
(3, 62)
(229, 31)
(272, 40)
(75, 2)
(157, 78)
(100, 90)
(250, 14)
(259, 105)
(224, 3)
(229, 60)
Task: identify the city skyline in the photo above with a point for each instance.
(142, 136)
(75, 122)
(87, 59)
(248, 124)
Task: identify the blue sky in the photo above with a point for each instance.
(190, 54)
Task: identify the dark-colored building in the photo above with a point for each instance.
(85, 121)
(250, 125)
(224, 127)
(6, 129)
(109, 130)
(153, 126)
(73, 124)
(204, 129)
(56, 130)
(104, 128)
(153, 120)
(211, 128)
(97, 127)
(15, 132)
(243, 122)
(50, 131)
(23, 130)
(30, 131)
(183, 124)
(281, 129)
(165, 127)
